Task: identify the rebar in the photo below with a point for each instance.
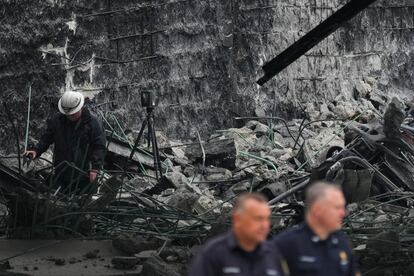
(28, 118)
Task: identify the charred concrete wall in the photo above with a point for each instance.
(202, 57)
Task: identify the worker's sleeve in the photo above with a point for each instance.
(204, 265)
(47, 137)
(98, 144)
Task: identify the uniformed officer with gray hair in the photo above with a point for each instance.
(317, 247)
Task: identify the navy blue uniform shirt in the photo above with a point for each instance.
(307, 255)
(221, 256)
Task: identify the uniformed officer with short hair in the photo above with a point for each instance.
(317, 247)
(243, 251)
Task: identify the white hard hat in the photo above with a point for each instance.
(71, 102)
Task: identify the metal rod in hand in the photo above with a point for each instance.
(28, 118)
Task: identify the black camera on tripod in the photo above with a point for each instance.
(149, 99)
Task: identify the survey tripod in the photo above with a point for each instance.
(151, 140)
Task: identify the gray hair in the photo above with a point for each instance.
(317, 191)
(241, 200)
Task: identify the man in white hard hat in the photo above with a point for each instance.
(78, 139)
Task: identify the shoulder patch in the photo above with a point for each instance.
(272, 272)
(231, 270)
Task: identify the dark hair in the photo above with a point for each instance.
(244, 197)
(317, 190)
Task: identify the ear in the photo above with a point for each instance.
(235, 217)
(317, 209)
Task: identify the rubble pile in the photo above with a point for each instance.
(160, 223)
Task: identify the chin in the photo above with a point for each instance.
(338, 227)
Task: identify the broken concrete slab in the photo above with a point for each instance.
(132, 244)
(124, 263)
(184, 200)
(393, 118)
(217, 174)
(218, 153)
(146, 254)
(155, 266)
(179, 254)
(384, 242)
(171, 180)
(327, 138)
(205, 203)
(274, 189)
(119, 153)
(141, 183)
(174, 179)
(258, 128)
(36, 257)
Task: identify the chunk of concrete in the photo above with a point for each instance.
(155, 266)
(130, 244)
(385, 242)
(218, 153)
(122, 262)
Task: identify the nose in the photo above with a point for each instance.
(343, 212)
(346, 212)
(266, 226)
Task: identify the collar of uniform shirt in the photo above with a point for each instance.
(332, 237)
(233, 244)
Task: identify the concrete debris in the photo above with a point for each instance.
(219, 153)
(155, 266)
(5, 265)
(193, 199)
(217, 174)
(385, 242)
(146, 254)
(130, 244)
(274, 189)
(242, 186)
(60, 261)
(356, 184)
(325, 139)
(184, 200)
(393, 118)
(122, 262)
(176, 254)
(92, 254)
(175, 180)
(258, 128)
(141, 183)
(119, 151)
(206, 203)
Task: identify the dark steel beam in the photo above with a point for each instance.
(10, 180)
(307, 42)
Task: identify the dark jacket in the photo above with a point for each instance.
(222, 256)
(82, 142)
(306, 254)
